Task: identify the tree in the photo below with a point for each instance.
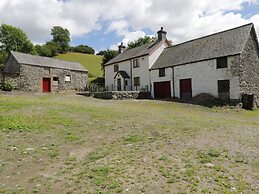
(14, 39)
(50, 49)
(141, 41)
(3, 58)
(43, 50)
(107, 56)
(61, 37)
(83, 49)
(54, 47)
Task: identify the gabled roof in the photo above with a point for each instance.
(122, 73)
(23, 58)
(136, 52)
(226, 43)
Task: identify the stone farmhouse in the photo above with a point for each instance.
(42, 74)
(224, 65)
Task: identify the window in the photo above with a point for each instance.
(55, 81)
(135, 63)
(116, 68)
(162, 72)
(136, 81)
(222, 62)
(125, 82)
(68, 78)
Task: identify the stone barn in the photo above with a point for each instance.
(42, 74)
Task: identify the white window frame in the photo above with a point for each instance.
(68, 78)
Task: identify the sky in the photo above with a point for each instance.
(103, 24)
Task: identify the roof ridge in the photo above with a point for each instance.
(44, 57)
(210, 35)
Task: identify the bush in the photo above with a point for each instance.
(7, 86)
(1, 67)
(99, 81)
(83, 49)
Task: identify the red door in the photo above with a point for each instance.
(185, 88)
(162, 89)
(46, 85)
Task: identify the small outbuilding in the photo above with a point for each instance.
(42, 74)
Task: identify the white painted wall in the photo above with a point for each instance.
(142, 71)
(154, 56)
(109, 74)
(154, 75)
(204, 77)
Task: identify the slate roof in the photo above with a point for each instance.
(122, 73)
(23, 58)
(226, 43)
(135, 52)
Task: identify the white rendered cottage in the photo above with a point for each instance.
(224, 65)
(129, 71)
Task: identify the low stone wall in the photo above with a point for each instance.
(122, 95)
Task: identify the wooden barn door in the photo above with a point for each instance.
(46, 85)
(185, 88)
(224, 89)
(162, 89)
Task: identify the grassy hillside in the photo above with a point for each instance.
(91, 62)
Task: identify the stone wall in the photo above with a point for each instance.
(30, 79)
(78, 80)
(122, 95)
(13, 79)
(249, 68)
(12, 66)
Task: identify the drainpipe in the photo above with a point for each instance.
(131, 78)
(173, 82)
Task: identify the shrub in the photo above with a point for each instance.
(1, 67)
(7, 86)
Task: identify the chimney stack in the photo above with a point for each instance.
(161, 34)
(121, 48)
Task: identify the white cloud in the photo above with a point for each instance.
(183, 19)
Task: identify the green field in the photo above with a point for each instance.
(74, 144)
(91, 62)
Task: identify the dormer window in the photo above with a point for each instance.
(116, 68)
(222, 62)
(135, 63)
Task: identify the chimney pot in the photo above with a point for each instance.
(161, 34)
(121, 48)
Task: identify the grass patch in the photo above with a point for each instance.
(96, 155)
(132, 138)
(208, 156)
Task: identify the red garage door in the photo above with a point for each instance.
(185, 88)
(162, 89)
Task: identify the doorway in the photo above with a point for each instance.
(46, 85)
(119, 84)
(185, 88)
